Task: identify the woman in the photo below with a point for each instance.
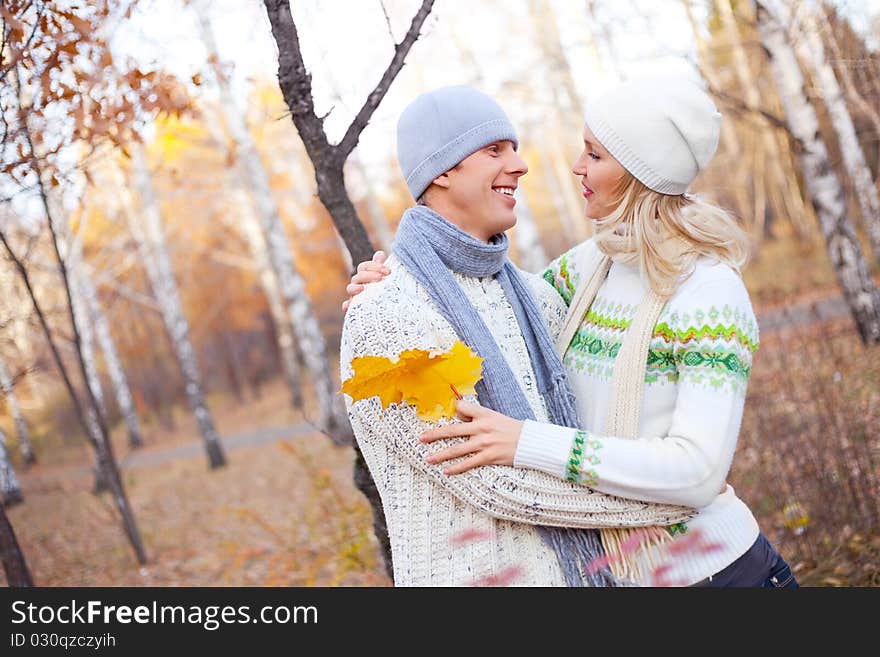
(659, 341)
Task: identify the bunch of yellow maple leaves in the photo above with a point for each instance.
(428, 380)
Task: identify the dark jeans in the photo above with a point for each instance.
(761, 567)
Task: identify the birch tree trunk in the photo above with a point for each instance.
(21, 429)
(565, 211)
(811, 50)
(571, 195)
(21, 334)
(290, 367)
(729, 141)
(121, 389)
(87, 348)
(374, 208)
(105, 469)
(247, 224)
(88, 318)
(547, 33)
(568, 111)
(10, 490)
(233, 364)
(825, 189)
(852, 91)
(332, 418)
(769, 158)
(14, 564)
(150, 238)
(601, 36)
(532, 256)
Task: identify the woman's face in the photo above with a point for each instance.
(600, 176)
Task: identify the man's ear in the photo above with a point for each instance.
(442, 180)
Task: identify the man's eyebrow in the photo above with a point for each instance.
(499, 144)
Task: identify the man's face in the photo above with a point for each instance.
(479, 191)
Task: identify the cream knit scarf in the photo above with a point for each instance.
(622, 420)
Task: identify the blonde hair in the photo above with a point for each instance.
(665, 234)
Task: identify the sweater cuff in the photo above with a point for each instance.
(544, 447)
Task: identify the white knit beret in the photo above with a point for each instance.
(664, 129)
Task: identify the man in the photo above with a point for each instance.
(450, 279)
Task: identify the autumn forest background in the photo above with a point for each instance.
(178, 223)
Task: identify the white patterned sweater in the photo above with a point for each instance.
(477, 527)
(699, 361)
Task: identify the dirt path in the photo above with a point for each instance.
(163, 455)
(196, 448)
(803, 313)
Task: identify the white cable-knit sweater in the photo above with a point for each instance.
(699, 361)
(475, 527)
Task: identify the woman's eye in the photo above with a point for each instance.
(594, 156)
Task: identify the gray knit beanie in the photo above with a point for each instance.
(440, 128)
(664, 129)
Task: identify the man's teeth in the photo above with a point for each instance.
(508, 191)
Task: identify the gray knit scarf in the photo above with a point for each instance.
(431, 249)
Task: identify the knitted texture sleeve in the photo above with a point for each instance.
(703, 346)
(549, 301)
(393, 316)
(563, 274)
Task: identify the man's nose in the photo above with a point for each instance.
(517, 166)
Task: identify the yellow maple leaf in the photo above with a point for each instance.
(419, 377)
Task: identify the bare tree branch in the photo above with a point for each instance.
(387, 20)
(25, 45)
(740, 106)
(291, 68)
(25, 277)
(350, 140)
(328, 160)
(126, 292)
